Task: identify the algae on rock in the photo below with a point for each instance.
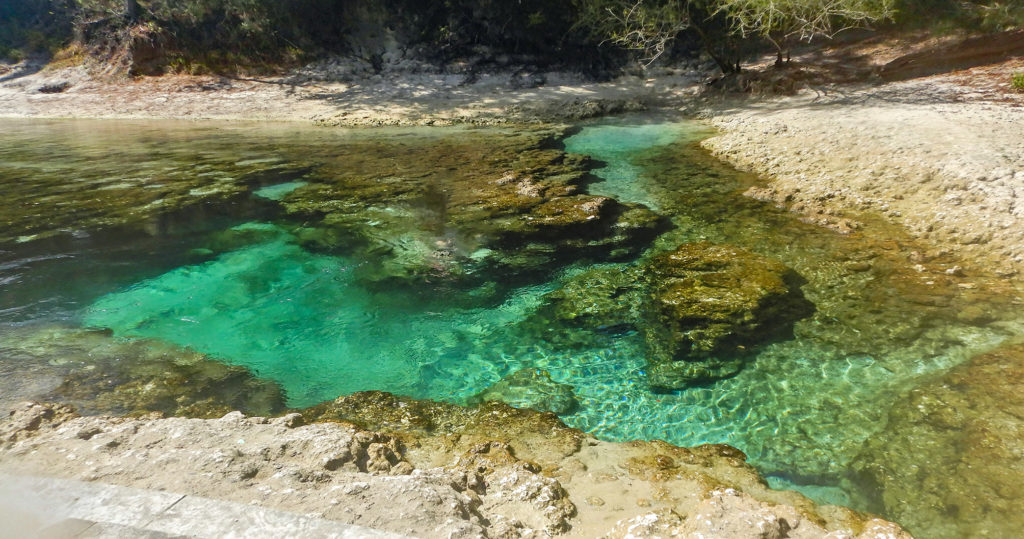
(948, 462)
(105, 375)
(464, 211)
(701, 309)
(533, 389)
(709, 305)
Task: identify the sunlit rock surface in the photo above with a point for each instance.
(487, 472)
(533, 389)
(950, 461)
(702, 309)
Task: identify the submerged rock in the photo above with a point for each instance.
(948, 462)
(104, 375)
(701, 308)
(600, 299)
(152, 179)
(533, 389)
(464, 211)
(708, 305)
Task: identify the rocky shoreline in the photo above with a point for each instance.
(429, 470)
(936, 156)
(930, 155)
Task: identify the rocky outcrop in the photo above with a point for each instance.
(701, 308)
(709, 304)
(452, 482)
(101, 375)
(533, 389)
(460, 211)
(948, 463)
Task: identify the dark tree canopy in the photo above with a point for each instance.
(569, 33)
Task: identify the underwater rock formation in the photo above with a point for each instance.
(708, 305)
(464, 211)
(533, 389)
(104, 375)
(701, 308)
(600, 299)
(171, 185)
(492, 472)
(948, 463)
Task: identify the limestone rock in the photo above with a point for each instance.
(460, 479)
(701, 308)
(531, 388)
(948, 463)
(527, 498)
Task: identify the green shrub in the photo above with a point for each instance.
(951, 15)
(1018, 82)
(11, 54)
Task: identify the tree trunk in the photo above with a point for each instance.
(131, 10)
(729, 64)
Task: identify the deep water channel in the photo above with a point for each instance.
(423, 262)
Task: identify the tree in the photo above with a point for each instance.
(131, 10)
(647, 26)
(782, 21)
(723, 25)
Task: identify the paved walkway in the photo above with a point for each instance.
(62, 508)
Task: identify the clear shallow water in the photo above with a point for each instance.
(243, 288)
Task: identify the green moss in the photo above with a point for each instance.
(104, 375)
(701, 309)
(533, 389)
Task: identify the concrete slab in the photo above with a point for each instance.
(39, 507)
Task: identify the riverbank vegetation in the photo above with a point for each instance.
(156, 36)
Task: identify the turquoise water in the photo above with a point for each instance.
(301, 319)
(616, 144)
(800, 410)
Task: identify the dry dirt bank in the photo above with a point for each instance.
(472, 482)
(326, 94)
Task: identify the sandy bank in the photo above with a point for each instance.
(943, 156)
(549, 480)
